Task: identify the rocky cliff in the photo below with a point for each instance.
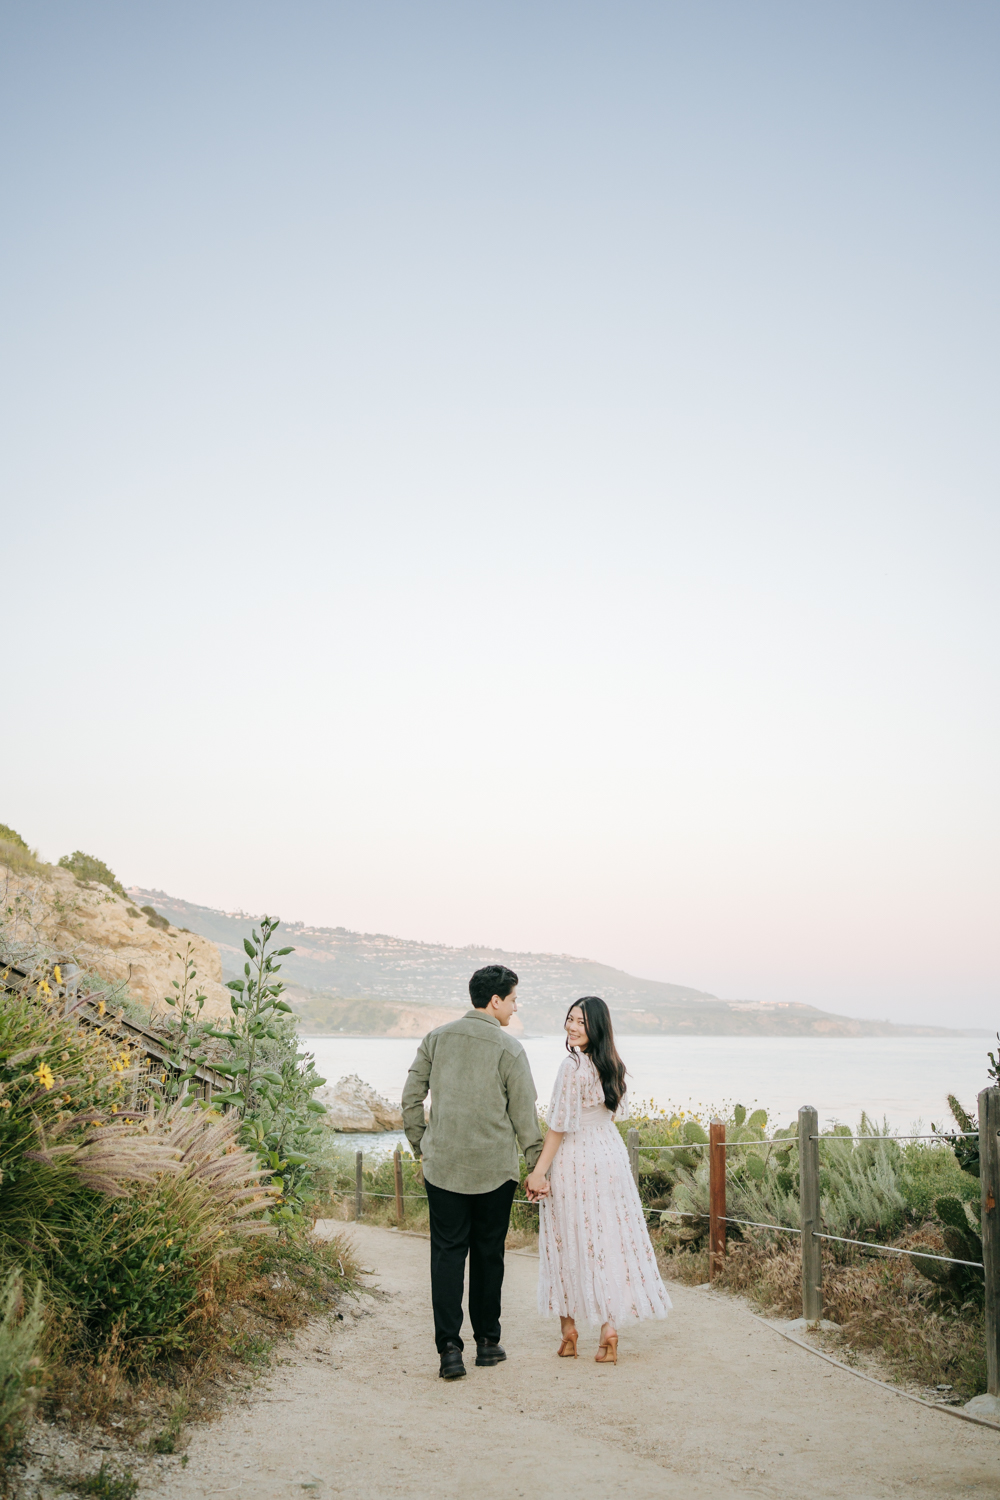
(86, 923)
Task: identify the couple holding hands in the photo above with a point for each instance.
(596, 1260)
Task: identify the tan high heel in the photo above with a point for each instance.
(567, 1349)
(610, 1344)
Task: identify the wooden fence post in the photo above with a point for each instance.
(358, 1184)
(716, 1197)
(812, 1261)
(989, 1187)
(633, 1154)
(397, 1164)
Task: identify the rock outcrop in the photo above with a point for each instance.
(353, 1105)
(108, 934)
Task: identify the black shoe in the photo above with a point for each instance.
(452, 1365)
(490, 1352)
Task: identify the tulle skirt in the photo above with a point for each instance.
(596, 1261)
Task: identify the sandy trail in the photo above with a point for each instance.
(710, 1403)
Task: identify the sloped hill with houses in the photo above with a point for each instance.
(332, 966)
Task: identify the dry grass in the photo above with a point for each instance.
(19, 859)
(884, 1307)
(255, 1305)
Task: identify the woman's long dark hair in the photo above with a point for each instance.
(600, 1048)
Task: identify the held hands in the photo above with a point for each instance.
(536, 1186)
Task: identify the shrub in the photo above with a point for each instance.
(273, 1081)
(137, 1267)
(88, 867)
(132, 1265)
(153, 917)
(15, 854)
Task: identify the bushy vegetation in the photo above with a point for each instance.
(273, 1080)
(923, 1316)
(87, 867)
(15, 853)
(141, 1225)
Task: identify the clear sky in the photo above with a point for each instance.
(515, 473)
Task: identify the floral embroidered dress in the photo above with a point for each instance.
(597, 1263)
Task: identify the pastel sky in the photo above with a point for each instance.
(516, 473)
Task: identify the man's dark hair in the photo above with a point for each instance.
(493, 980)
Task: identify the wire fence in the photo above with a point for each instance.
(810, 1232)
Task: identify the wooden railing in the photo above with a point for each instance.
(204, 1081)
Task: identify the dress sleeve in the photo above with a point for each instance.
(564, 1111)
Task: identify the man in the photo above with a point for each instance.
(482, 1106)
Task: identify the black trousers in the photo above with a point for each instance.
(473, 1225)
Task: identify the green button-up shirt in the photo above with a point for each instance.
(482, 1105)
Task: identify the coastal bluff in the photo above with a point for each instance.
(86, 923)
(372, 984)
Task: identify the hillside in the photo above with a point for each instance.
(84, 922)
(332, 965)
(322, 1015)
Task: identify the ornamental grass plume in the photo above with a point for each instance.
(20, 1331)
(199, 1151)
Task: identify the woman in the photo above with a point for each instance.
(596, 1259)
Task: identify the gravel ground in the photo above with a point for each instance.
(710, 1403)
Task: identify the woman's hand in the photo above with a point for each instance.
(536, 1185)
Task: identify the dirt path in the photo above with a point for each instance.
(710, 1404)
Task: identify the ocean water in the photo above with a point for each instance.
(903, 1080)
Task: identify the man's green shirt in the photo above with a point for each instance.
(482, 1106)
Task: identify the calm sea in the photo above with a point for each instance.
(901, 1079)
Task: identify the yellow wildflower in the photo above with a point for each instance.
(101, 1007)
(114, 1109)
(45, 1076)
(170, 1242)
(58, 974)
(44, 991)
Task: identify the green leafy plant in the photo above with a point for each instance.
(88, 867)
(273, 1081)
(154, 918)
(958, 1283)
(993, 1071)
(965, 1145)
(257, 1006)
(186, 1033)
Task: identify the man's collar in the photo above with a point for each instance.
(481, 1015)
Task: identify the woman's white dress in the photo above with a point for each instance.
(597, 1263)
